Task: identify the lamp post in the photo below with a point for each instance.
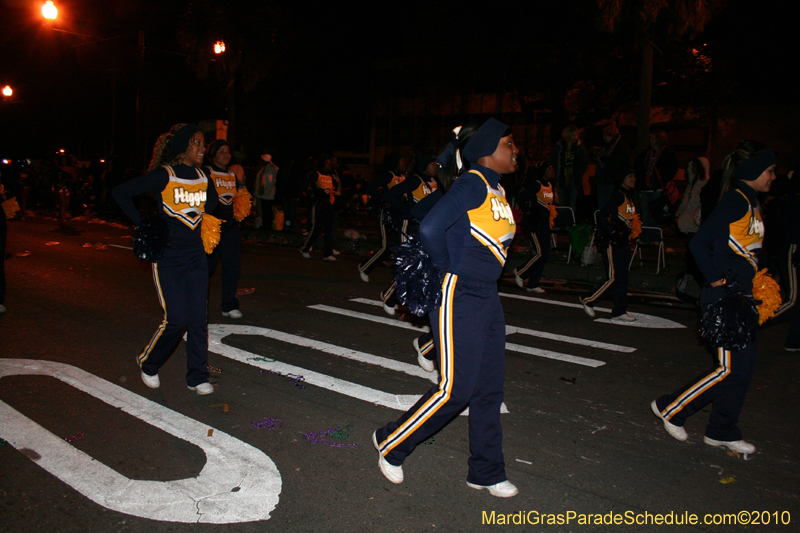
(7, 92)
(229, 77)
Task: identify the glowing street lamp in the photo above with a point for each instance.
(7, 91)
(219, 47)
(49, 10)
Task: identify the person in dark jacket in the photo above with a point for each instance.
(569, 159)
(613, 161)
(655, 169)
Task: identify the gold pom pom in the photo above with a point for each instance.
(210, 232)
(768, 292)
(553, 215)
(241, 204)
(636, 227)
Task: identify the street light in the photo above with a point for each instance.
(7, 91)
(49, 10)
(219, 47)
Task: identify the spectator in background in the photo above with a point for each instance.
(689, 213)
(569, 159)
(613, 161)
(265, 189)
(655, 169)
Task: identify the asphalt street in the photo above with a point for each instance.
(313, 368)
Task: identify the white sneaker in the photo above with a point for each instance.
(305, 254)
(151, 381)
(390, 472)
(233, 313)
(740, 446)
(389, 310)
(203, 388)
(364, 276)
(676, 432)
(518, 280)
(627, 317)
(537, 290)
(504, 489)
(586, 309)
(785, 347)
(426, 364)
(329, 258)
(336, 252)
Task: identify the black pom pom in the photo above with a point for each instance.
(151, 238)
(418, 286)
(731, 322)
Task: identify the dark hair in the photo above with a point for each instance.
(162, 155)
(391, 161)
(746, 149)
(699, 169)
(660, 135)
(447, 175)
(213, 148)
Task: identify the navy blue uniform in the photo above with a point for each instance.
(229, 249)
(377, 189)
(733, 235)
(401, 199)
(788, 270)
(615, 219)
(540, 197)
(466, 234)
(181, 276)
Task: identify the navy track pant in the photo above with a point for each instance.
(469, 328)
(183, 293)
(541, 252)
(229, 253)
(726, 386)
(618, 260)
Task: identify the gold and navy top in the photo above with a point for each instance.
(225, 183)
(729, 241)
(183, 194)
(469, 230)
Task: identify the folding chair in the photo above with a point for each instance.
(594, 232)
(565, 219)
(651, 236)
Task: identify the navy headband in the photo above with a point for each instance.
(750, 169)
(484, 141)
(180, 139)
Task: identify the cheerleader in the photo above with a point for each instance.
(229, 249)
(726, 249)
(466, 235)
(181, 275)
(323, 212)
(616, 220)
(394, 165)
(401, 200)
(788, 266)
(539, 223)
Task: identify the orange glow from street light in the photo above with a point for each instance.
(219, 47)
(49, 10)
(7, 91)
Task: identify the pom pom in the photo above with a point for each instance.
(418, 286)
(767, 291)
(151, 238)
(241, 204)
(731, 322)
(636, 227)
(553, 216)
(210, 232)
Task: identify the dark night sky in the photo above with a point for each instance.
(327, 66)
